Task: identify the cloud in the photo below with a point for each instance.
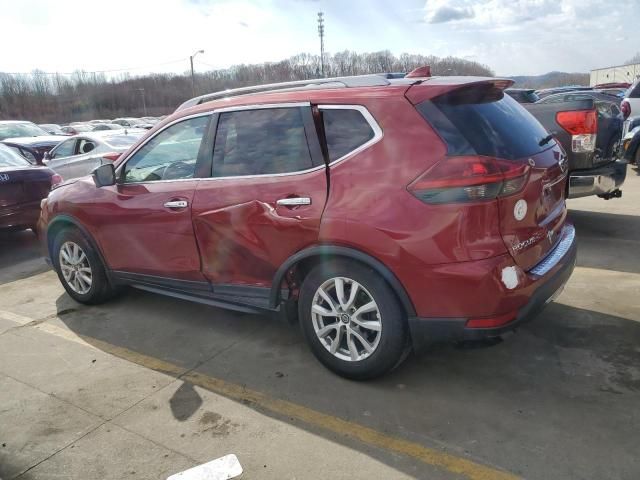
(493, 14)
(448, 14)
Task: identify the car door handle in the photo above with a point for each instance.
(176, 204)
(294, 201)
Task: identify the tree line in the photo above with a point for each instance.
(60, 98)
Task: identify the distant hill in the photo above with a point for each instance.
(551, 79)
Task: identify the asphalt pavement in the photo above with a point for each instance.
(148, 386)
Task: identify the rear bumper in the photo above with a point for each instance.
(24, 215)
(558, 269)
(597, 181)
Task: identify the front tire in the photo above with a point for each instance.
(80, 269)
(352, 320)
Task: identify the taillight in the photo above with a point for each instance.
(112, 156)
(626, 109)
(469, 179)
(56, 179)
(583, 127)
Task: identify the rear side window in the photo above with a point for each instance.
(483, 121)
(261, 142)
(345, 131)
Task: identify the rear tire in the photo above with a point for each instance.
(362, 336)
(79, 268)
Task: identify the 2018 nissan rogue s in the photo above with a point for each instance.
(382, 212)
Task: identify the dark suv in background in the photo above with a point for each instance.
(383, 212)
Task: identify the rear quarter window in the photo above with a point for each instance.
(345, 130)
(484, 121)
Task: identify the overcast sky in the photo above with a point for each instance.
(511, 36)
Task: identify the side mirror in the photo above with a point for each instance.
(46, 157)
(104, 175)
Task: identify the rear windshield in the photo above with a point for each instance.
(634, 90)
(484, 121)
(8, 158)
(122, 141)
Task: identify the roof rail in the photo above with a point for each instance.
(373, 80)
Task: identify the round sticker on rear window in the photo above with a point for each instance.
(520, 209)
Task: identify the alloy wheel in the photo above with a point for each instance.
(75, 267)
(346, 319)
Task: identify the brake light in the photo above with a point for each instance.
(469, 179)
(56, 179)
(626, 109)
(583, 127)
(112, 156)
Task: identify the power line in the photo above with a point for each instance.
(94, 71)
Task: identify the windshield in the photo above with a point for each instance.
(26, 129)
(9, 158)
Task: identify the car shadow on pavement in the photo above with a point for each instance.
(20, 256)
(560, 384)
(607, 240)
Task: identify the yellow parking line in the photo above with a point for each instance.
(344, 428)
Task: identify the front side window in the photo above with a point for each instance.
(65, 149)
(345, 131)
(170, 155)
(261, 142)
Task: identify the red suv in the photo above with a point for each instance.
(383, 213)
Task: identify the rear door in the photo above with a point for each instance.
(266, 196)
(481, 121)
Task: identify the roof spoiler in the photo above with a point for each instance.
(418, 93)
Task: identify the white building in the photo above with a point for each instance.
(621, 73)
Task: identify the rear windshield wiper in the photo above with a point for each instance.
(546, 140)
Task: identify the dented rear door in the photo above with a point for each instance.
(265, 198)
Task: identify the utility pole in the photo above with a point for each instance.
(144, 103)
(193, 77)
(321, 34)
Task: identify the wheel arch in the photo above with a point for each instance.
(334, 251)
(62, 221)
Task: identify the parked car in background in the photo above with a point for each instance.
(20, 128)
(98, 127)
(631, 141)
(550, 91)
(52, 128)
(29, 139)
(610, 119)
(80, 154)
(289, 200)
(76, 128)
(630, 105)
(22, 188)
(99, 121)
(577, 126)
(523, 95)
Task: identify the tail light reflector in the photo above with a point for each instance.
(469, 179)
(492, 322)
(56, 179)
(583, 127)
(625, 108)
(112, 156)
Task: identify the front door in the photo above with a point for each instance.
(266, 195)
(145, 225)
